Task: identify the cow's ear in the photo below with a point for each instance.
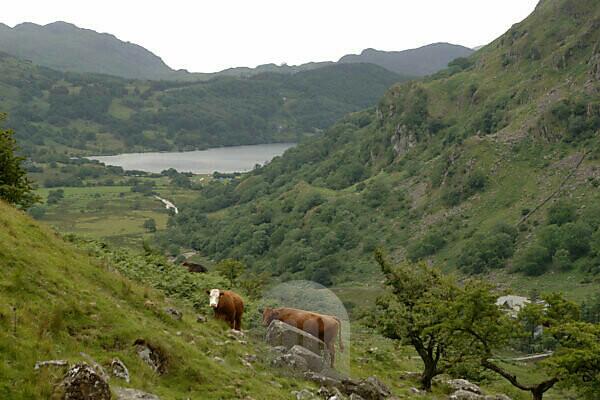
(221, 294)
(208, 292)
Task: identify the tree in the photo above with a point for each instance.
(150, 225)
(54, 196)
(37, 212)
(574, 362)
(230, 269)
(15, 187)
(416, 310)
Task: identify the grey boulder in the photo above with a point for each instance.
(82, 382)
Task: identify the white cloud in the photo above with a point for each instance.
(212, 35)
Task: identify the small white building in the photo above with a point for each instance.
(512, 304)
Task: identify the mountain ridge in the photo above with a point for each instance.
(419, 61)
(65, 46)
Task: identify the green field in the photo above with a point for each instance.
(111, 213)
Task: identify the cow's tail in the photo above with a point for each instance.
(339, 322)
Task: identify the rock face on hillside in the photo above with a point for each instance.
(403, 140)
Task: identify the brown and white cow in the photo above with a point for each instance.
(228, 306)
(325, 327)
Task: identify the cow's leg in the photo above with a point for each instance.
(238, 322)
(232, 320)
(331, 348)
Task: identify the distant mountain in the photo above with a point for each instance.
(422, 61)
(66, 47)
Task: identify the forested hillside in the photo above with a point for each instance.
(56, 113)
(468, 167)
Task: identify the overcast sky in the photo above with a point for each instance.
(206, 36)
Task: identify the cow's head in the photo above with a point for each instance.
(269, 315)
(213, 297)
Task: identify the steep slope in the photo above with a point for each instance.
(67, 302)
(464, 167)
(421, 61)
(66, 47)
(53, 112)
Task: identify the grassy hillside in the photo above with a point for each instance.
(467, 167)
(68, 302)
(57, 113)
(77, 296)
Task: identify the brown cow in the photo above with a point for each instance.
(228, 306)
(325, 327)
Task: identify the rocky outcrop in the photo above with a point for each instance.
(152, 355)
(119, 370)
(174, 313)
(403, 140)
(314, 361)
(282, 334)
(133, 394)
(51, 363)
(303, 394)
(465, 390)
(367, 389)
(463, 384)
(201, 319)
(291, 363)
(82, 382)
(465, 395)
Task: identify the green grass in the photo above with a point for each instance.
(71, 299)
(69, 303)
(112, 213)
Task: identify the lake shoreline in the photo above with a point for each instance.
(224, 159)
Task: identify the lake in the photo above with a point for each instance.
(222, 159)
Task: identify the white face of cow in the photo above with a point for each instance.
(214, 297)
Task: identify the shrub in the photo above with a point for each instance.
(561, 212)
(476, 181)
(54, 196)
(150, 225)
(533, 260)
(562, 260)
(37, 212)
(490, 250)
(550, 237)
(595, 242)
(428, 245)
(576, 237)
